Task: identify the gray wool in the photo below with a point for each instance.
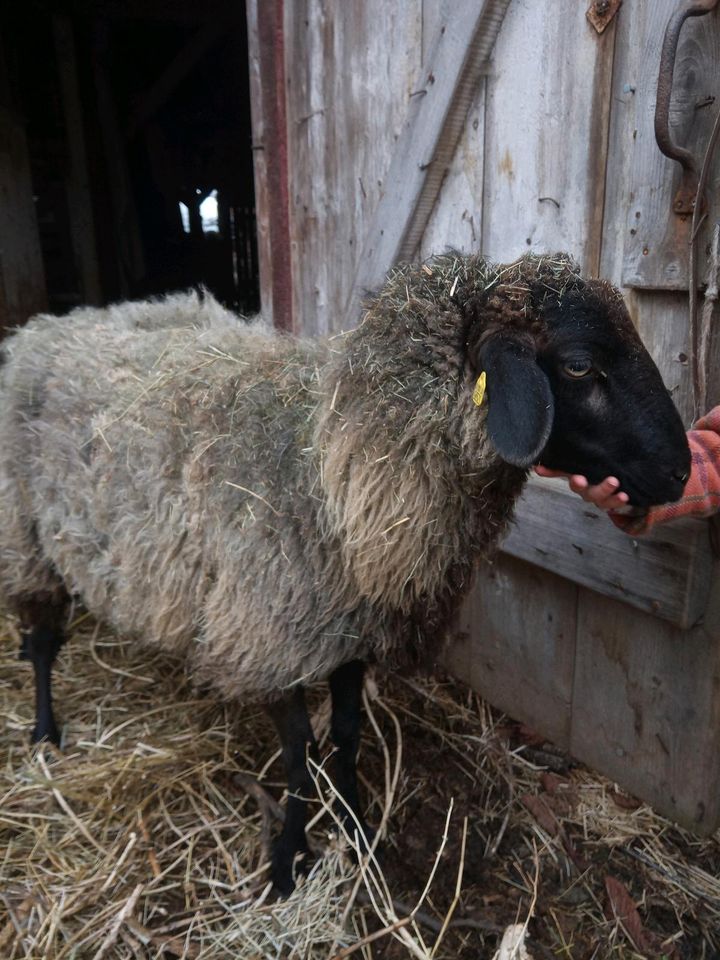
(264, 506)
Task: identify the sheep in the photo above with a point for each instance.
(278, 510)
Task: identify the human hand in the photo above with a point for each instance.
(605, 495)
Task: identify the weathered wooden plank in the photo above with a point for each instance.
(661, 318)
(520, 655)
(456, 218)
(629, 71)
(267, 63)
(435, 14)
(77, 181)
(436, 115)
(666, 573)
(262, 200)
(598, 147)
(351, 68)
(656, 239)
(646, 710)
(545, 131)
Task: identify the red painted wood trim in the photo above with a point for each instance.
(271, 41)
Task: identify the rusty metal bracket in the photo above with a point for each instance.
(601, 12)
(685, 198)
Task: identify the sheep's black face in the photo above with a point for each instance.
(612, 413)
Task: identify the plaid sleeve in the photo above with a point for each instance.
(701, 497)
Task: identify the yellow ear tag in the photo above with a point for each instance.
(479, 391)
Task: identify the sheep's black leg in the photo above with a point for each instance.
(42, 639)
(293, 725)
(346, 688)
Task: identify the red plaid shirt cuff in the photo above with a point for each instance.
(701, 497)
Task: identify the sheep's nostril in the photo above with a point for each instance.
(680, 475)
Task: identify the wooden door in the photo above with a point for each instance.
(507, 127)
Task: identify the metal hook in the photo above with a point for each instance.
(685, 198)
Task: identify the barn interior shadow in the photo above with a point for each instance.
(128, 133)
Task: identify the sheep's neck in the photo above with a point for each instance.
(410, 511)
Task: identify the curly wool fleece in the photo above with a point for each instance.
(267, 507)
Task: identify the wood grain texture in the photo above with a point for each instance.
(351, 69)
(655, 250)
(435, 119)
(262, 200)
(521, 655)
(666, 573)
(435, 14)
(552, 120)
(599, 146)
(661, 318)
(545, 129)
(456, 220)
(266, 23)
(646, 707)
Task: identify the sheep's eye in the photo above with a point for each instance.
(577, 369)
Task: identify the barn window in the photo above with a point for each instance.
(209, 213)
(185, 216)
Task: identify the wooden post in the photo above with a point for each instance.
(266, 42)
(126, 231)
(82, 221)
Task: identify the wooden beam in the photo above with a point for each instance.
(599, 144)
(125, 228)
(667, 573)
(80, 211)
(436, 114)
(262, 198)
(175, 72)
(266, 37)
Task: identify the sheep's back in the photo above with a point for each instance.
(165, 471)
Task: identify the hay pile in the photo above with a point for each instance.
(147, 837)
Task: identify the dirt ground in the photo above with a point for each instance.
(619, 885)
(146, 836)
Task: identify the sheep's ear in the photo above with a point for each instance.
(519, 398)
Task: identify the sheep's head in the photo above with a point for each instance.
(570, 385)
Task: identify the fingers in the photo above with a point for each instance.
(605, 495)
(545, 472)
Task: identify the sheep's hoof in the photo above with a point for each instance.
(287, 863)
(47, 732)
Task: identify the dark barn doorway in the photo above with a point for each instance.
(126, 130)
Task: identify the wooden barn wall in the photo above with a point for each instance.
(659, 734)
(350, 69)
(557, 153)
(627, 693)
